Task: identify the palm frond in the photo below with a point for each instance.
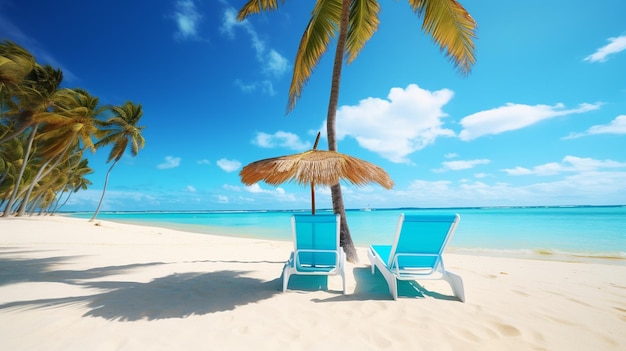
(15, 62)
(256, 6)
(363, 24)
(121, 129)
(451, 27)
(118, 150)
(322, 27)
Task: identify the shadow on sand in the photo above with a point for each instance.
(182, 294)
(374, 287)
(173, 296)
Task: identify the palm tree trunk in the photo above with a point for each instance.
(55, 205)
(58, 207)
(104, 189)
(338, 205)
(40, 174)
(18, 180)
(24, 121)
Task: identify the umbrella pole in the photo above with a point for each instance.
(317, 139)
(313, 212)
(312, 198)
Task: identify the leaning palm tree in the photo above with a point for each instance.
(70, 126)
(354, 22)
(42, 86)
(119, 131)
(76, 181)
(11, 160)
(15, 63)
(37, 95)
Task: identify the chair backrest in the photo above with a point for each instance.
(313, 233)
(421, 239)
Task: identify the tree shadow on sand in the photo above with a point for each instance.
(179, 295)
(20, 270)
(174, 296)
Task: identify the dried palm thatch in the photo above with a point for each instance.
(315, 167)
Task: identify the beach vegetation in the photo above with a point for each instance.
(121, 131)
(45, 129)
(351, 23)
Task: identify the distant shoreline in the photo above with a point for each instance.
(350, 210)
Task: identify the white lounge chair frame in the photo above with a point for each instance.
(306, 250)
(431, 266)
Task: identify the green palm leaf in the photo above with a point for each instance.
(451, 27)
(363, 24)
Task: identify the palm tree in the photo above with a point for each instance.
(42, 87)
(15, 63)
(119, 131)
(36, 96)
(70, 127)
(76, 181)
(11, 159)
(354, 22)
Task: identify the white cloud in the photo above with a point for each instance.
(256, 189)
(190, 188)
(428, 188)
(570, 164)
(170, 162)
(277, 65)
(114, 199)
(203, 162)
(229, 165)
(246, 87)
(518, 171)
(592, 188)
(589, 164)
(451, 155)
(280, 139)
(265, 86)
(617, 126)
(274, 194)
(271, 61)
(461, 165)
(229, 23)
(222, 199)
(231, 187)
(187, 20)
(512, 117)
(614, 46)
(408, 121)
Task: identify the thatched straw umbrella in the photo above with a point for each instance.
(315, 167)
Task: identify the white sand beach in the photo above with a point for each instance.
(67, 284)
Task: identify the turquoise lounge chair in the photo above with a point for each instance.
(416, 252)
(317, 250)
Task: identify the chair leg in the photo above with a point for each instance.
(391, 283)
(456, 283)
(286, 274)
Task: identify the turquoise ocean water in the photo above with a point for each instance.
(569, 233)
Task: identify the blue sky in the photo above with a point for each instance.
(540, 120)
